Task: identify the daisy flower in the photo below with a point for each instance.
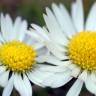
(22, 59)
(74, 43)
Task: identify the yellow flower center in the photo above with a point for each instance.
(82, 50)
(17, 56)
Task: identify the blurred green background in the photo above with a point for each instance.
(32, 10)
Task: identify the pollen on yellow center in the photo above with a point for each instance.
(17, 56)
(82, 50)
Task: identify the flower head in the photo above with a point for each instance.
(22, 59)
(74, 43)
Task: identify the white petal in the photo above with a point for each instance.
(34, 35)
(90, 23)
(42, 56)
(78, 15)
(10, 31)
(45, 30)
(57, 46)
(37, 76)
(6, 27)
(64, 19)
(76, 88)
(53, 60)
(50, 68)
(4, 78)
(54, 28)
(2, 23)
(57, 79)
(55, 49)
(2, 69)
(16, 27)
(93, 76)
(71, 66)
(1, 39)
(40, 31)
(75, 72)
(31, 37)
(22, 85)
(23, 30)
(91, 83)
(8, 89)
(38, 46)
(83, 75)
(41, 34)
(28, 85)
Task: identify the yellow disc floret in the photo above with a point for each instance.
(82, 50)
(17, 56)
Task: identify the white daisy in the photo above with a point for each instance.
(21, 59)
(73, 42)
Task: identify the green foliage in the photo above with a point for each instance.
(32, 12)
